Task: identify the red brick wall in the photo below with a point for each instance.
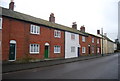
(20, 31)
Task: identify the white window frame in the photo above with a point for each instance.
(93, 49)
(98, 50)
(83, 39)
(34, 48)
(72, 36)
(83, 49)
(57, 34)
(57, 49)
(92, 40)
(0, 23)
(98, 42)
(34, 29)
(73, 49)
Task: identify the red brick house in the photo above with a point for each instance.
(27, 36)
(90, 44)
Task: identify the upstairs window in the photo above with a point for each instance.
(92, 40)
(56, 49)
(83, 38)
(72, 36)
(34, 48)
(98, 41)
(0, 23)
(34, 29)
(72, 49)
(57, 33)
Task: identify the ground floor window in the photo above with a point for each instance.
(34, 48)
(72, 49)
(83, 49)
(56, 49)
(98, 50)
(92, 49)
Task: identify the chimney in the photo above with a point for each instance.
(82, 29)
(52, 18)
(105, 34)
(98, 32)
(74, 25)
(11, 5)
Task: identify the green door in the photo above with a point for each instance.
(12, 52)
(46, 52)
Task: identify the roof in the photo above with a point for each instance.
(106, 38)
(31, 19)
(91, 34)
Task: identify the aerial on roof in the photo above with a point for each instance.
(28, 18)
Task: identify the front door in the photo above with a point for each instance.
(46, 51)
(89, 50)
(12, 52)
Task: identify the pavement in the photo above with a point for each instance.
(12, 67)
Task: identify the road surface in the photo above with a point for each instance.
(98, 68)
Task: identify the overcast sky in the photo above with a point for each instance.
(93, 14)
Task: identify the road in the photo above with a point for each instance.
(98, 68)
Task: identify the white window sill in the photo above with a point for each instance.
(34, 53)
(56, 52)
(35, 33)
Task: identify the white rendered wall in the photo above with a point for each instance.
(69, 43)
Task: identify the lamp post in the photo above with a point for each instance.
(102, 40)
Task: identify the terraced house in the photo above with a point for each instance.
(25, 36)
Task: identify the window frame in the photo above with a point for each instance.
(0, 22)
(98, 41)
(93, 39)
(57, 33)
(34, 29)
(83, 39)
(58, 49)
(83, 49)
(34, 48)
(72, 49)
(72, 36)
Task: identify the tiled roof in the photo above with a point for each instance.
(28, 18)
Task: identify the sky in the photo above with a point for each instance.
(93, 14)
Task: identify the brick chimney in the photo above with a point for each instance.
(82, 29)
(52, 18)
(98, 32)
(11, 5)
(74, 25)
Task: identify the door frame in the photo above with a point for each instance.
(47, 44)
(12, 42)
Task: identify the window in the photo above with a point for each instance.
(34, 48)
(57, 33)
(72, 49)
(92, 49)
(34, 29)
(56, 49)
(83, 49)
(98, 50)
(97, 41)
(0, 23)
(92, 40)
(73, 36)
(83, 38)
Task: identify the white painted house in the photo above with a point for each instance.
(72, 43)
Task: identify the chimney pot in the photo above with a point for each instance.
(11, 5)
(98, 31)
(82, 29)
(74, 25)
(52, 18)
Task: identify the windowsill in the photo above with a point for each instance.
(57, 37)
(34, 53)
(57, 53)
(35, 33)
